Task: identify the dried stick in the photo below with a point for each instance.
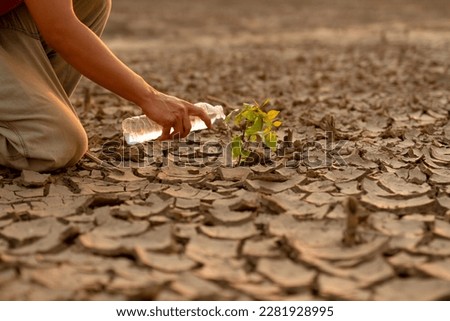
(351, 207)
(218, 100)
(104, 164)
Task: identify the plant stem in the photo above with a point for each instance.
(243, 143)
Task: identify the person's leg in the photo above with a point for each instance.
(39, 129)
(94, 14)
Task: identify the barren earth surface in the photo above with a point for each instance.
(354, 205)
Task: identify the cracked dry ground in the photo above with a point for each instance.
(366, 220)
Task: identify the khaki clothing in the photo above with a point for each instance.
(39, 128)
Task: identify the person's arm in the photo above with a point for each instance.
(80, 47)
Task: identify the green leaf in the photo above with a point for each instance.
(236, 146)
(277, 123)
(270, 140)
(249, 115)
(245, 153)
(238, 120)
(272, 114)
(265, 103)
(256, 127)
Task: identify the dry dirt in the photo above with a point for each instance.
(356, 206)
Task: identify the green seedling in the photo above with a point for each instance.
(257, 128)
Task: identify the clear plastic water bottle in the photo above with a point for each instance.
(141, 129)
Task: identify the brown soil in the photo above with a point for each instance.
(356, 208)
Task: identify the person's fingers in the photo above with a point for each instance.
(177, 117)
(200, 113)
(177, 129)
(165, 135)
(186, 125)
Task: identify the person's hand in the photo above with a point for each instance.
(172, 112)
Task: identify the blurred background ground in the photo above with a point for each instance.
(374, 73)
(152, 19)
(232, 49)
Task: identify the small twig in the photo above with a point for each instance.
(104, 164)
(351, 208)
(87, 102)
(218, 100)
(242, 141)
